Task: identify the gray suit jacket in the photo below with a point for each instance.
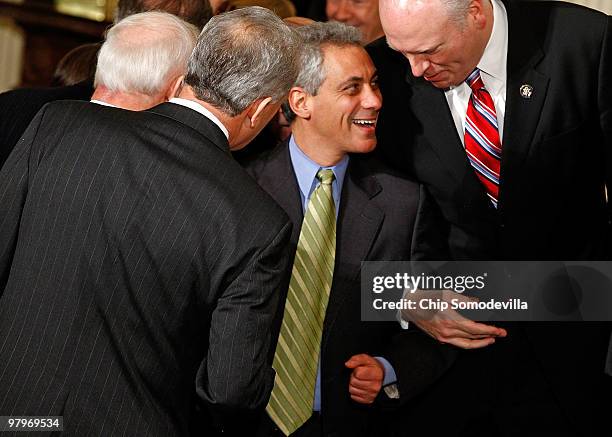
(378, 216)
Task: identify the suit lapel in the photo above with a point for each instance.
(439, 128)
(278, 179)
(439, 132)
(522, 112)
(359, 221)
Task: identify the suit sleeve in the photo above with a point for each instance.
(14, 181)
(417, 359)
(431, 231)
(237, 378)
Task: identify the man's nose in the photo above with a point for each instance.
(341, 12)
(372, 98)
(418, 64)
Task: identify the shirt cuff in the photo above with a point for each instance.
(390, 376)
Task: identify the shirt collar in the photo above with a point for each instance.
(494, 58)
(306, 169)
(202, 110)
(100, 102)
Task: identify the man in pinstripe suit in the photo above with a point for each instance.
(139, 265)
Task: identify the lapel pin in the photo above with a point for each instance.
(526, 91)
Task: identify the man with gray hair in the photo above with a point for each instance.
(335, 372)
(18, 107)
(143, 60)
(140, 266)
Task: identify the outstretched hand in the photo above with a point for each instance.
(448, 326)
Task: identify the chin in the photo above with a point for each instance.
(365, 147)
(441, 84)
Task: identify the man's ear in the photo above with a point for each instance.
(257, 110)
(175, 87)
(476, 13)
(299, 102)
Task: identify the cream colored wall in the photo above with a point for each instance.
(11, 54)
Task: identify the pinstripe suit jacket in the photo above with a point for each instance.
(18, 107)
(140, 267)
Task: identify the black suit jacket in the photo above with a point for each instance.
(556, 146)
(142, 269)
(18, 108)
(555, 163)
(377, 216)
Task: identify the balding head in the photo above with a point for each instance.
(456, 9)
(443, 39)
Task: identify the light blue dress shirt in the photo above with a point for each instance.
(305, 170)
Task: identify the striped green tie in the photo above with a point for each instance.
(299, 343)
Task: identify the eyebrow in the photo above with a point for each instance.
(351, 80)
(357, 79)
(426, 51)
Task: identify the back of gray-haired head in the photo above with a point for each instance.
(143, 52)
(242, 56)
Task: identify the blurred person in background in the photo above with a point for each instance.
(196, 12)
(363, 14)
(78, 65)
(282, 8)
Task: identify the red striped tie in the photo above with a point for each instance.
(482, 143)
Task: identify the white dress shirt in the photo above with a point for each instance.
(202, 110)
(100, 102)
(492, 67)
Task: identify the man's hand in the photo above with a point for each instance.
(465, 333)
(448, 326)
(366, 379)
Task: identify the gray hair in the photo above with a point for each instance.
(457, 10)
(316, 37)
(242, 56)
(143, 52)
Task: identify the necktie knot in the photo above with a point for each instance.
(325, 176)
(474, 80)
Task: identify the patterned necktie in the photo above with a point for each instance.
(299, 343)
(482, 143)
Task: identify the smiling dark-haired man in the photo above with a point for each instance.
(346, 208)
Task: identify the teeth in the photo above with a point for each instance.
(364, 122)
